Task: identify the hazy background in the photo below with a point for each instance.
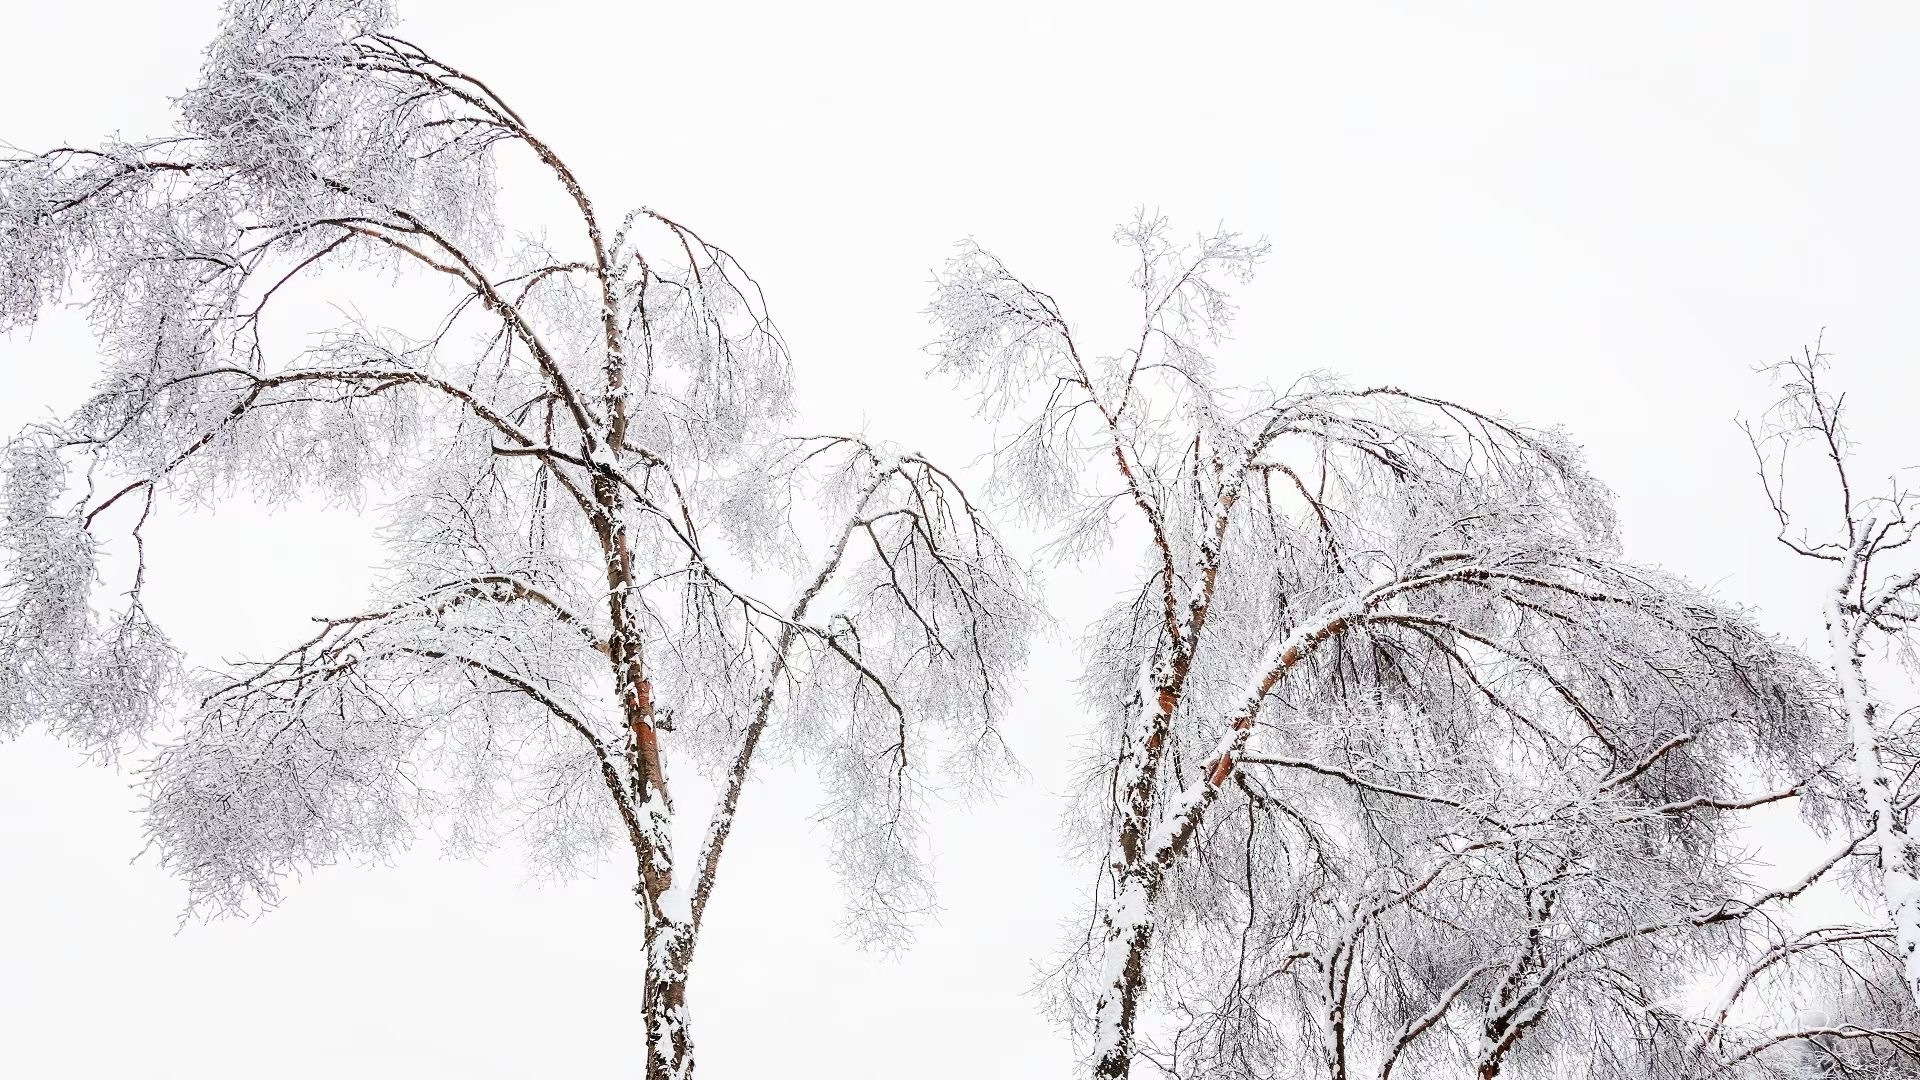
(1604, 221)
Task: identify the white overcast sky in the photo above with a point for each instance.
(1601, 218)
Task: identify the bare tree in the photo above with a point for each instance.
(611, 577)
(1398, 760)
(1871, 607)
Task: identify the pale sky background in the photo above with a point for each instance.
(1602, 219)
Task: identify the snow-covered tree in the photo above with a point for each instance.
(612, 580)
(1400, 767)
(1871, 608)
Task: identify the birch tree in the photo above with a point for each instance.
(1399, 764)
(1871, 607)
(613, 581)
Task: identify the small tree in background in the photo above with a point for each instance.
(589, 470)
(1398, 765)
(1872, 606)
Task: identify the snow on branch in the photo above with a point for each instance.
(1381, 644)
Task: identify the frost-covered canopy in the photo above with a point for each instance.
(1400, 767)
(608, 560)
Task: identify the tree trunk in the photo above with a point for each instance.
(669, 1037)
(1128, 932)
(1899, 880)
(1127, 928)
